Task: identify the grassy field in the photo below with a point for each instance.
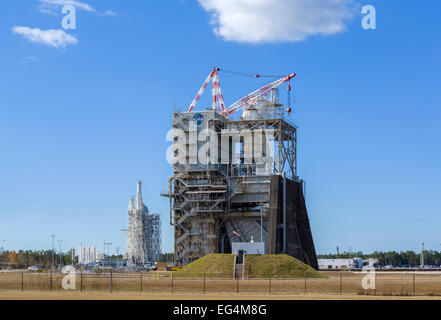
(147, 296)
(336, 285)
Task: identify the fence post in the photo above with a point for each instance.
(269, 285)
(305, 283)
(237, 285)
(81, 280)
(111, 280)
(172, 282)
(204, 282)
(375, 281)
(141, 279)
(22, 284)
(341, 280)
(413, 282)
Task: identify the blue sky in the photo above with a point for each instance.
(80, 124)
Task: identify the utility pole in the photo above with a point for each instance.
(53, 252)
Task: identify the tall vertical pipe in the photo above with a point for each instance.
(139, 196)
(284, 212)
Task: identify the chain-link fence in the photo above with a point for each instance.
(334, 283)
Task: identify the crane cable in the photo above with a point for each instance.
(250, 75)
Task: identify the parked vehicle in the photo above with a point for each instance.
(141, 268)
(152, 268)
(34, 268)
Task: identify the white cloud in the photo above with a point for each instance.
(259, 21)
(49, 6)
(30, 59)
(51, 37)
(77, 4)
(109, 13)
(46, 10)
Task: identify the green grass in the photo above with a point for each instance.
(277, 266)
(212, 265)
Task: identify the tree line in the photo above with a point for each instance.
(402, 258)
(26, 258)
(43, 258)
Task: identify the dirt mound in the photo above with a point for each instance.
(277, 266)
(212, 265)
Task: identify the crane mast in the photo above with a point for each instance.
(218, 100)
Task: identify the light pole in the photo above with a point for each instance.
(440, 261)
(72, 256)
(59, 242)
(117, 256)
(261, 226)
(53, 252)
(108, 244)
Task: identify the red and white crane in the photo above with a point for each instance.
(218, 100)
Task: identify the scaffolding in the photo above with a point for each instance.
(143, 232)
(154, 236)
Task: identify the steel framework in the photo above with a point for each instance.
(215, 204)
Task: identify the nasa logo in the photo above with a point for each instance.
(198, 118)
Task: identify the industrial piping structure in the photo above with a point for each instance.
(236, 180)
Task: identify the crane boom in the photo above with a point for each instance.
(250, 98)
